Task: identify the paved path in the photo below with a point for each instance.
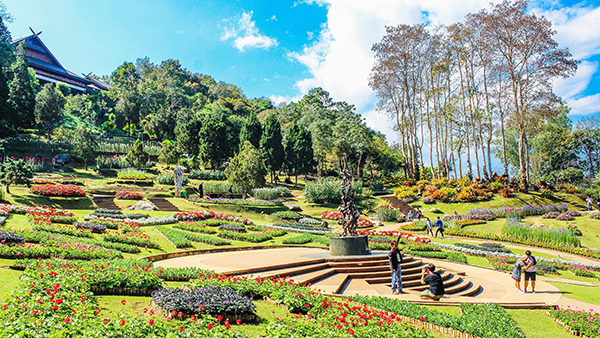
(498, 287)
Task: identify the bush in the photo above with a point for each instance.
(565, 217)
(386, 213)
(127, 195)
(328, 190)
(428, 200)
(286, 215)
(552, 214)
(309, 221)
(208, 175)
(212, 300)
(270, 193)
(94, 227)
(376, 186)
(546, 193)
(169, 179)
(131, 174)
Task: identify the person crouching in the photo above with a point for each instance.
(436, 284)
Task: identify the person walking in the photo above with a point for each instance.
(409, 216)
(436, 284)
(440, 227)
(419, 214)
(516, 273)
(395, 258)
(589, 201)
(201, 189)
(429, 227)
(529, 268)
(230, 192)
(598, 202)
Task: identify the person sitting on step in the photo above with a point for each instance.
(436, 284)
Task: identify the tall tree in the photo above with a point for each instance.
(299, 153)
(85, 146)
(247, 169)
(213, 145)
(271, 144)
(49, 105)
(251, 131)
(22, 95)
(15, 172)
(187, 137)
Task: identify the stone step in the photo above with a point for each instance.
(313, 277)
(105, 202)
(408, 278)
(358, 259)
(162, 204)
(470, 292)
(333, 284)
(408, 262)
(407, 274)
(275, 268)
(294, 271)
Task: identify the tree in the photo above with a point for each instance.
(251, 131)
(299, 150)
(5, 107)
(271, 144)
(137, 156)
(15, 172)
(187, 137)
(49, 104)
(6, 47)
(247, 169)
(168, 153)
(22, 95)
(214, 147)
(84, 145)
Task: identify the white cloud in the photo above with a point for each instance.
(246, 34)
(339, 59)
(273, 18)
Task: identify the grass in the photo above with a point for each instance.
(581, 293)
(536, 324)
(9, 279)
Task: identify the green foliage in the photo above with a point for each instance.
(299, 149)
(22, 93)
(247, 170)
(328, 190)
(84, 145)
(388, 213)
(270, 193)
(15, 172)
(187, 137)
(168, 154)
(169, 179)
(49, 104)
(137, 156)
(213, 147)
(5, 107)
(211, 175)
(251, 131)
(271, 143)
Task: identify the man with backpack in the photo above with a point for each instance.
(529, 268)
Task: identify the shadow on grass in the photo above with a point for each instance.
(55, 202)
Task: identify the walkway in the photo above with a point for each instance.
(497, 286)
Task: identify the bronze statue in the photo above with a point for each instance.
(350, 215)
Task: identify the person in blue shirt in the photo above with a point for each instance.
(440, 227)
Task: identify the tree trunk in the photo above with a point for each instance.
(8, 188)
(522, 163)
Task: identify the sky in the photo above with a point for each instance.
(281, 49)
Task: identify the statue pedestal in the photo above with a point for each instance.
(349, 246)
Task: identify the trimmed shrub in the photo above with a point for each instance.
(169, 179)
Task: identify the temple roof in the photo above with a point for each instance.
(48, 68)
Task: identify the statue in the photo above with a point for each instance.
(178, 179)
(350, 215)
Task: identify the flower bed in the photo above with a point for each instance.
(513, 228)
(491, 247)
(94, 227)
(131, 174)
(287, 215)
(403, 235)
(213, 300)
(59, 190)
(134, 238)
(208, 175)
(195, 227)
(9, 237)
(306, 238)
(175, 237)
(271, 193)
(235, 201)
(127, 195)
(520, 211)
(300, 227)
(309, 221)
(334, 215)
(583, 323)
(253, 237)
(232, 227)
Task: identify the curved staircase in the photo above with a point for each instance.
(337, 275)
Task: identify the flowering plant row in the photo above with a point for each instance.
(195, 227)
(405, 235)
(334, 215)
(57, 190)
(235, 201)
(587, 323)
(127, 195)
(527, 210)
(300, 227)
(306, 238)
(133, 238)
(213, 300)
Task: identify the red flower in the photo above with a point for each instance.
(239, 321)
(209, 326)
(67, 320)
(151, 322)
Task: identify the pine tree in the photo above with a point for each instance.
(84, 145)
(251, 131)
(271, 144)
(6, 48)
(22, 95)
(187, 137)
(299, 150)
(49, 104)
(247, 169)
(137, 156)
(5, 107)
(213, 147)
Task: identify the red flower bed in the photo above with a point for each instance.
(405, 235)
(334, 215)
(58, 190)
(128, 195)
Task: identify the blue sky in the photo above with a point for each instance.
(280, 49)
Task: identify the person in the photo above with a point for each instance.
(419, 214)
(529, 268)
(395, 258)
(598, 202)
(589, 201)
(429, 227)
(440, 227)
(178, 178)
(436, 284)
(516, 273)
(409, 216)
(201, 189)
(230, 191)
